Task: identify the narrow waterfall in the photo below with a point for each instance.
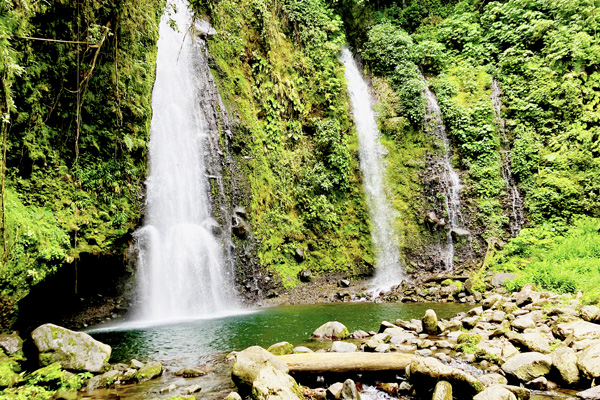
(181, 271)
(450, 179)
(517, 218)
(389, 270)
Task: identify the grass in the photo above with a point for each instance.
(563, 261)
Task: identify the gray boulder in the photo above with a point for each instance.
(589, 313)
(76, 351)
(589, 361)
(248, 363)
(564, 360)
(425, 372)
(11, 344)
(332, 330)
(302, 349)
(499, 279)
(579, 329)
(590, 394)
(274, 384)
(522, 323)
(233, 396)
(496, 392)
(528, 366)
(491, 301)
(335, 391)
(533, 342)
(343, 347)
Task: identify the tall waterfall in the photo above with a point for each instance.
(389, 270)
(181, 268)
(450, 180)
(517, 218)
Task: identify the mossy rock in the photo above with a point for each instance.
(468, 338)
(8, 376)
(281, 348)
(149, 371)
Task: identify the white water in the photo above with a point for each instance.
(517, 218)
(181, 271)
(389, 270)
(451, 180)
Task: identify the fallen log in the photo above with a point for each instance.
(346, 362)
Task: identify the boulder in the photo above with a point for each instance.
(11, 344)
(579, 329)
(150, 370)
(496, 392)
(349, 391)
(564, 360)
(76, 351)
(587, 313)
(233, 396)
(103, 380)
(492, 379)
(425, 372)
(332, 330)
(274, 384)
(443, 391)
(499, 279)
(522, 323)
(527, 366)
(335, 391)
(497, 316)
(136, 364)
(248, 363)
(430, 322)
(190, 373)
(389, 388)
(376, 341)
(526, 296)
(302, 349)
(343, 347)
(491, 301)
(589, 361)
(281, 348)
(590, 394)
(533, 342)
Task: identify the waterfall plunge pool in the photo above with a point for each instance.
(183, 343)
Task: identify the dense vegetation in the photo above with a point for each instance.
(76, 86)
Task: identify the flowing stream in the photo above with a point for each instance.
(389, 270)
(450, 179)
(181, 266)
(517, 218)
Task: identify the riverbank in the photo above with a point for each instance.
(546, 342)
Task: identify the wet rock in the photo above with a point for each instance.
(430, 322)
(540, 383)
(248, 363)
(103, 381)
(349, 391)
(332, 330)
(302, 349)
(343, 347)
(499, 279)
(590, 394)
(239, 227)
(376, 341)
(442, 391)
(192, 389)
(128, 375)
(344, 283)
(76, 351)
(564, 360)
(589, 361)
(136, 364)
(492, 379)
(150, 370)
(527, 366)
(495, 392)
(167, 389)
(281, 348)
(190, 373)
(272, 383)
(11, 344)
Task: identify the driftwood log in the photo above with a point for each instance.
(346, 362)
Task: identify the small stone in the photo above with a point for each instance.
(136, 364)
(540, 383)
(302, 349)
(335, 391)
(349, 391)
(442, 391)
(233, 396)
(192, 389)
(389, 388)
(430, 322)
(344, 283)
(190, 373)
(343, 347)
(167, 389)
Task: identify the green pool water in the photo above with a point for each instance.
(187, 341)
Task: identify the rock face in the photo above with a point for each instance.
(589, 361)
(528, 366)
(248, 364)
(430, 322)
(76, 351)
(564, 360)
(273, 384)
(332, 330)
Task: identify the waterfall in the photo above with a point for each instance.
(181, 268)
(389, 270)
(517, 219)
(450, 179)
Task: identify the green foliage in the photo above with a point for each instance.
(554, 258)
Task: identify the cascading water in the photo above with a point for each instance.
(389, 270)
(181, 269)
(450, 179)
(517, 218)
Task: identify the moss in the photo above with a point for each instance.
(468, 338)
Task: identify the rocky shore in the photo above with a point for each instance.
(509, 346)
